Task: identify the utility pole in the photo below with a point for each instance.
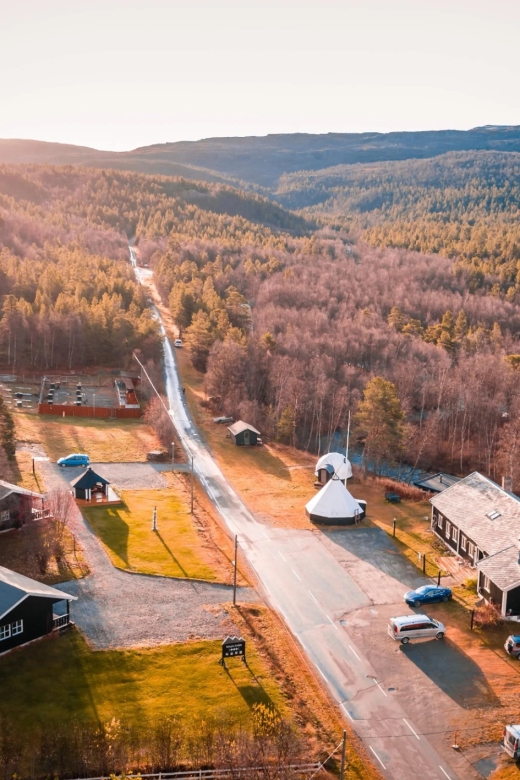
(173, 453)
(343, 756)
(235, 573)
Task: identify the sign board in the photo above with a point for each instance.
(233, 647)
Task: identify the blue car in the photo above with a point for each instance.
(76, 459)
(427, 594)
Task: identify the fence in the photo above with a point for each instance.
(214, 774)
(103, 412)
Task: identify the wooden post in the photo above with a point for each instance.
(424, 563)
(343, 756)
(471, 619)
(439, 579)
(393, 527)
(235, 573)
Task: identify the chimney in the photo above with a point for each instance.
(507, 484)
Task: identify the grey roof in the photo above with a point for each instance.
(468, 504)
(240, 426)
(88, 480)
(437, 482)
(15, 587)
(6, 489)
(502, 568)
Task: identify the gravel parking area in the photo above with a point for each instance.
(117, 609)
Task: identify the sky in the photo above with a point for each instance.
(119, 74)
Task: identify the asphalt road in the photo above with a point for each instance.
(306, 584)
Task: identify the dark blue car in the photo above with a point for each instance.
(427, 594)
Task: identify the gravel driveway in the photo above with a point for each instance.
(117, 609)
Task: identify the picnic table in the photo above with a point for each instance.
(393, 498)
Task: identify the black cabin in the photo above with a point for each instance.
(27, 609)
(243, 434)
(88, 483)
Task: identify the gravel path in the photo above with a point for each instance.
(117, 609)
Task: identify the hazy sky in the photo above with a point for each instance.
(116, 74)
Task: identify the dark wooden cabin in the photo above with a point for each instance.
(27, 609)
(243, 434)
(18, 505)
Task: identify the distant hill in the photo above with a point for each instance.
(261, 161)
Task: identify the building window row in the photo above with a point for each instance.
(11, 629)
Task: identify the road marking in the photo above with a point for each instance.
(348, 713)
(357, 656)
(319, 670)
(282, 556)
(384, 692)
(411, 729)
(296, 575)
(444, 773)
(331, 621)
(313, 598)
(374, 752)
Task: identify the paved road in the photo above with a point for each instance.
(305, 582)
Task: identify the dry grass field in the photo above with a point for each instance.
(104, 441)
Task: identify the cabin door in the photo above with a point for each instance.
(246, 437)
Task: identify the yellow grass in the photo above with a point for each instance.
(108, 441)
(174, 550)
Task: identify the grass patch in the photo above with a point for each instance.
(17, 552)
(104, 441)
(174, 550)
(58, 680)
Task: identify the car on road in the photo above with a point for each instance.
(407, 627)
(75, 459)
(512, 646)
(177, 343)
(427, 594)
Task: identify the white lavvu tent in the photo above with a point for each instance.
(340, 464)
(334, 505)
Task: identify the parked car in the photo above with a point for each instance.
(427, 594)
(512, 646)
(223, 420)
(407, 627)
(76, 459)
(177, 343)
(511, 741)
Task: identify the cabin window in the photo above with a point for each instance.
(4, 516)
(471, 549)
(17, 627)
(485, 582)
(463, 542)
(5, 632)
(455, 534)
(440, 521)
(448, 529)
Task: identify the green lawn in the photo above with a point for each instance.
(174, 550)
(59, 680)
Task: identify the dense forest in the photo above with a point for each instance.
(289, 323)
(67, 293)
(462, 205)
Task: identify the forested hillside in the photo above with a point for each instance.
(462, 205)
(67, 292)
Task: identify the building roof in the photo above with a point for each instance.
(240, 426)
(333, 501)
(14, 588)
(6, 489)
(88, 480)
(437, 482)
(503, 568)
(483, 511)
(339, 462)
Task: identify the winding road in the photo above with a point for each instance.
(305, 583)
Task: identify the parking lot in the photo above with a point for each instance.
(456, 688)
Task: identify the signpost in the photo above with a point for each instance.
(233, 647)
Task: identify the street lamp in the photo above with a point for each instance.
(94, 414)
(191, 482)
(173, 453)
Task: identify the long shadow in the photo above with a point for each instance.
(110, 528)
(453, 672)
(269, 463)
(172, 556)
(252, 694)
(374, 546)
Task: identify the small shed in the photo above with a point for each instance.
(243, 434)
(88, 485)
(27, 609)
(499, 581)
(17, 505)
(436, 483)
(334, 505)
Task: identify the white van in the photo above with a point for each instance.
(407, 627)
